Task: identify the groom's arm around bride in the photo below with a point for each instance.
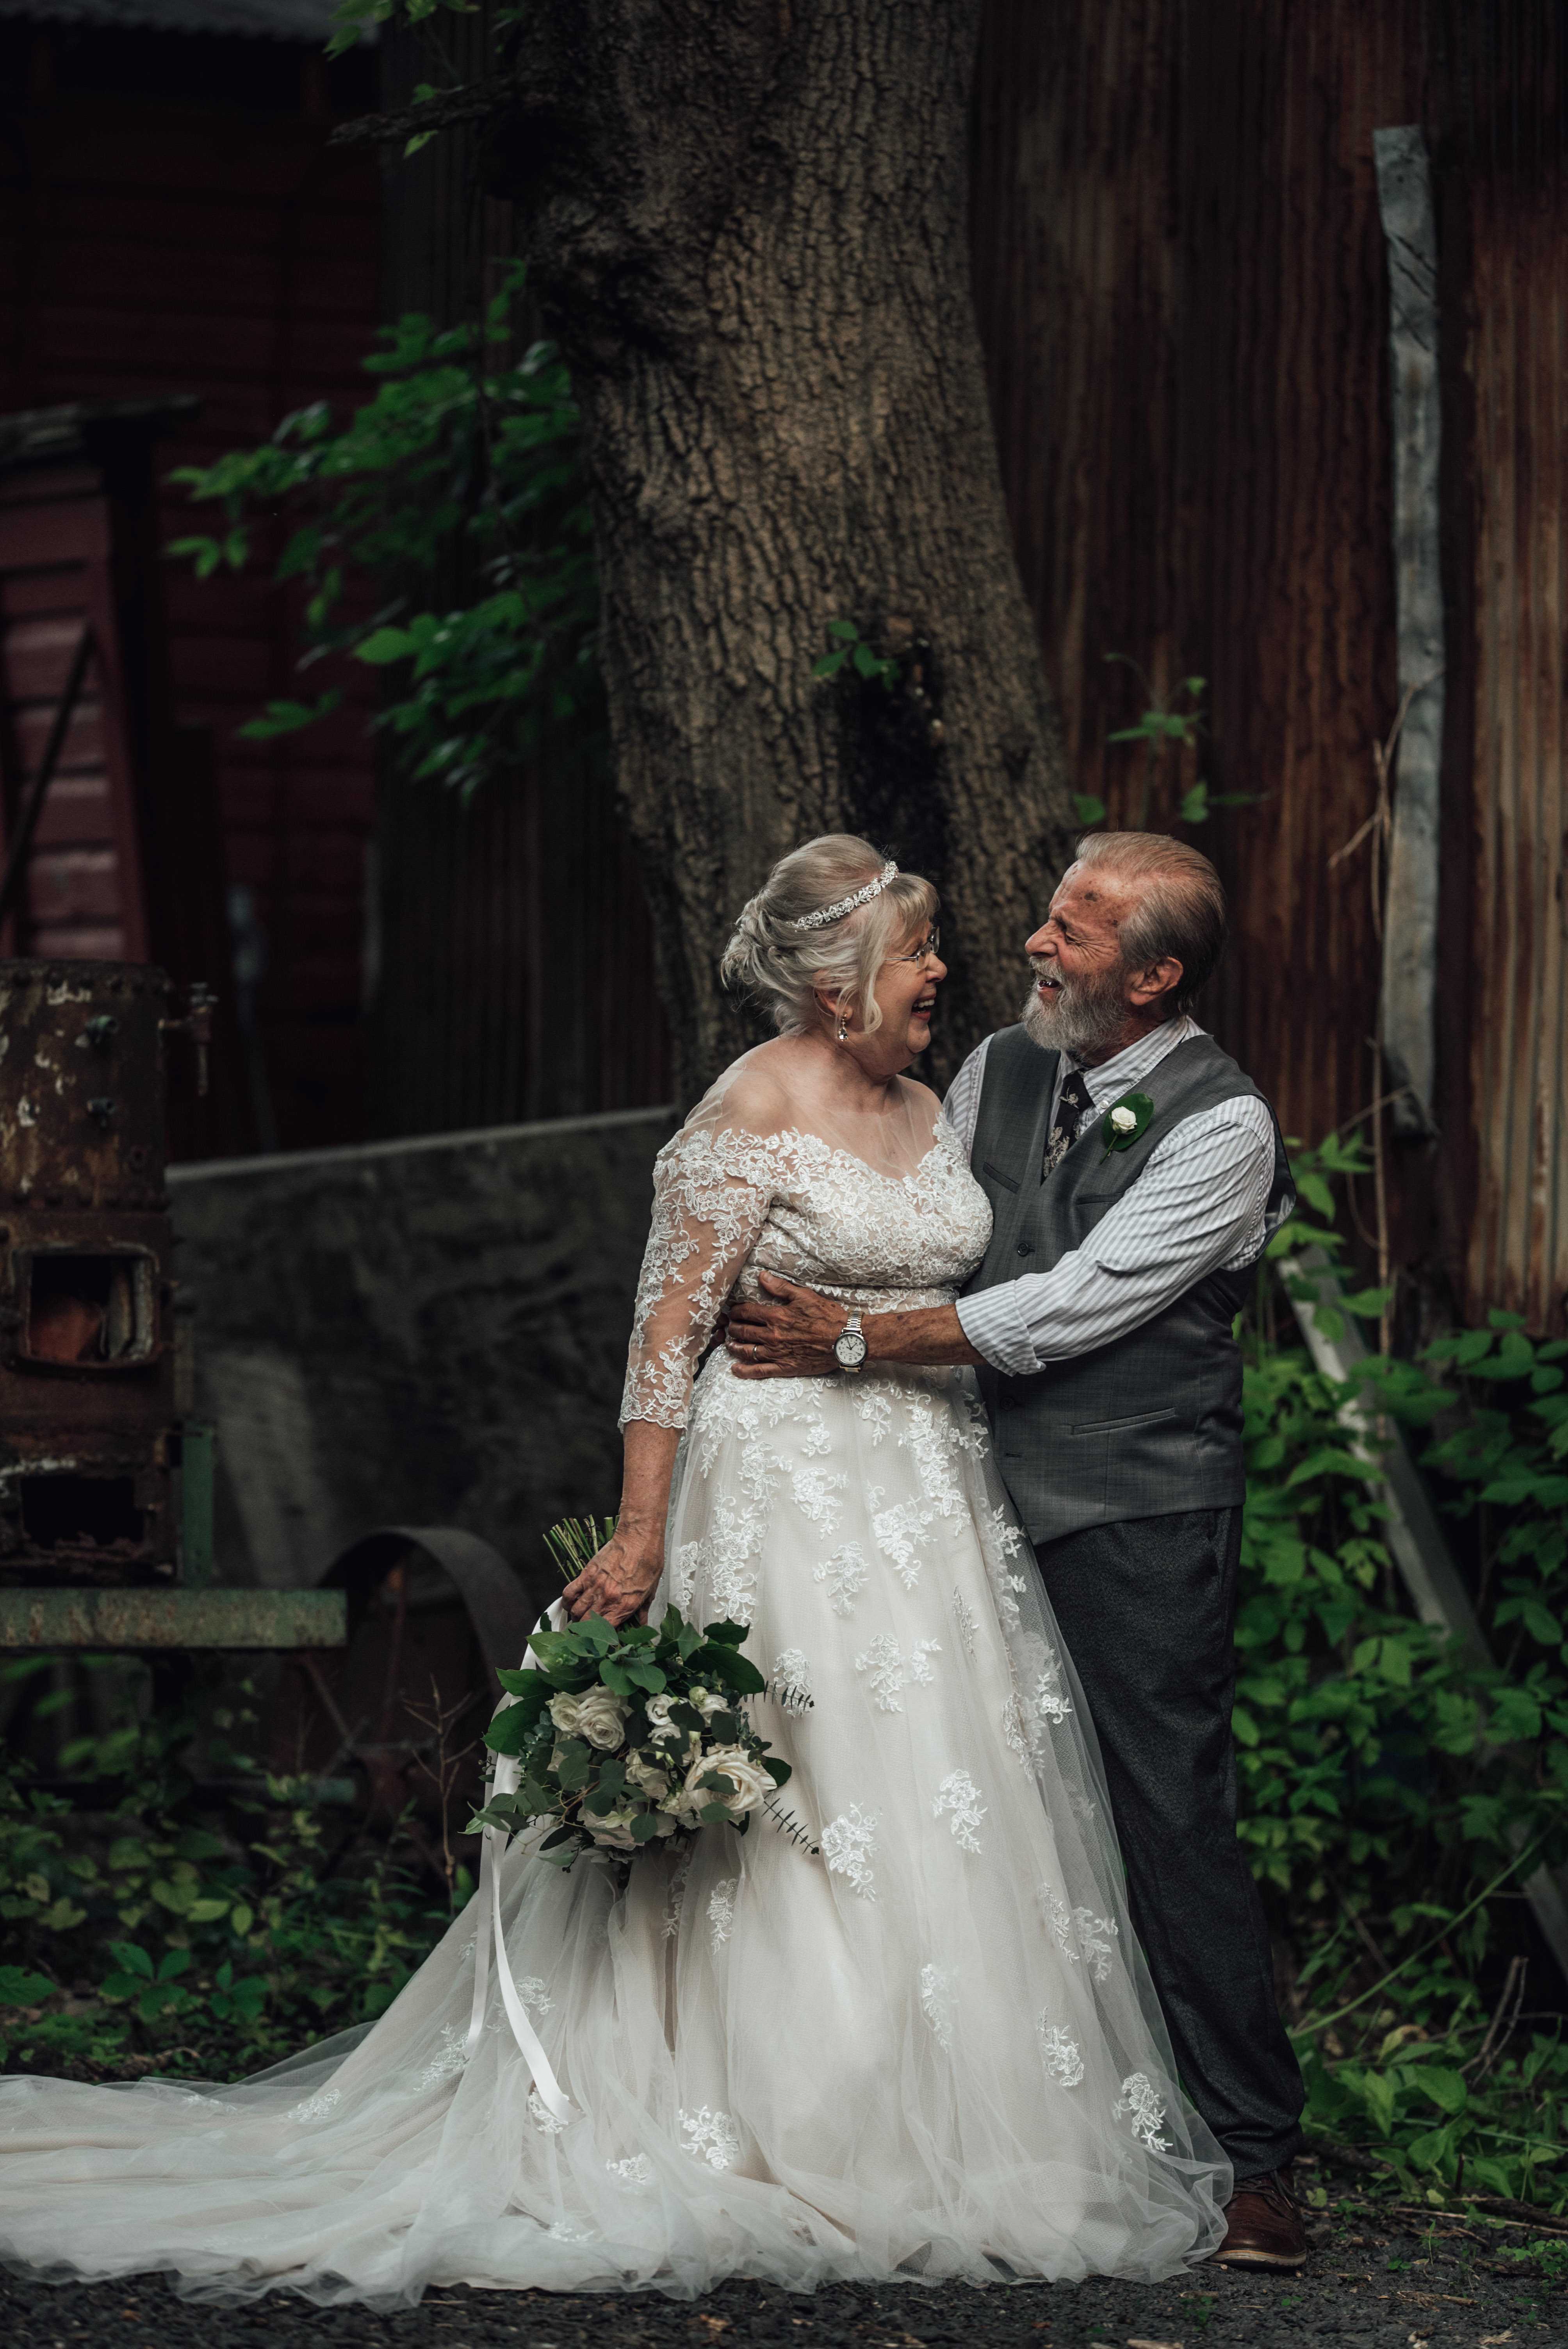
(1134, 1174)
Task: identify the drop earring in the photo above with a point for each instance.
(843, 1025)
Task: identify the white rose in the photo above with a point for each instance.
(1124, 1120)
(706, 1704)
(599, 1715)
(613, 1832)
(660, 1726)
(752, 1782)
(647, 1779)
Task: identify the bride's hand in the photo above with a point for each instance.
(618, 1581)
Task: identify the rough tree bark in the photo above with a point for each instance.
(748, 229)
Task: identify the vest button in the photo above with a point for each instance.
(1025, 1247)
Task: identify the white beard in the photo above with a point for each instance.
(1071, 1019)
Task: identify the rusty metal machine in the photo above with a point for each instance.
(106, 1473)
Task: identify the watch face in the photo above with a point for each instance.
(851, 1348)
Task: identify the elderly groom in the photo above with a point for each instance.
(1134, 1175)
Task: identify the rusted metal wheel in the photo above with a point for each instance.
(396, 1717)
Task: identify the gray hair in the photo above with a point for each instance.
(1179, 909)
(782, 967)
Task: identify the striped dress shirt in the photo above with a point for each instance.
(1199, 1207)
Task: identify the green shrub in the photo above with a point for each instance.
(163, 1931)
(1395, 1792)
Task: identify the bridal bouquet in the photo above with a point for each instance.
(626, 1737)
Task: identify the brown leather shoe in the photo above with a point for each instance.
(1264, 2228)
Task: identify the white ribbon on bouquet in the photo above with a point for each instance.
(489, 1937)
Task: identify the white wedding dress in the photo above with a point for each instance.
(929, 2049)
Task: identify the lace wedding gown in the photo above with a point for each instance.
(930, 2048)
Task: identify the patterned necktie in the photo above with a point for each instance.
(1071, 1109)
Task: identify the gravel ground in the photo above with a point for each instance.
(1375, 2278)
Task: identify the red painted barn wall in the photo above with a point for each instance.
(1182, 289)
(174, 219)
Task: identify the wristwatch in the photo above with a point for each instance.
(849, 1346)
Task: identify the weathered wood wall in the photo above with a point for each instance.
(1514, 393)
(514, 968)
(1180, 283)
(173, 220)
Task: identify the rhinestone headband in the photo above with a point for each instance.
(835, 912)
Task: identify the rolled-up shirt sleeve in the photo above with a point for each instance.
(1199, 1207)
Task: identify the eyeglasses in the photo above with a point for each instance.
(930, 952)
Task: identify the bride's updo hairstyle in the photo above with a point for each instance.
(784, 967)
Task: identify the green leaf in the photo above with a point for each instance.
(1087, 808)
(133, 1960)
(1195, 804)
(1315, 1191)
(383, 646)
(412, 145)
(19, 1987)
(1432, 2149)
(844, 629)
(829, 665)
(161, 1998)
(1447, 2089)
(1515, 1718)
(288, 717)
(563, 1660)
(509, 1731)
(735, 1671)
(1378, 2092)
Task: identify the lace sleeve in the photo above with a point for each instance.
(711, 1197)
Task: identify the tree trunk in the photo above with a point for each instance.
(748, 232)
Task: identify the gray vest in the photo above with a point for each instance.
(1151, 1423)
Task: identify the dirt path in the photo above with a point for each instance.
(1372, 2283)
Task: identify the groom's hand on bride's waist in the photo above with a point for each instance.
(790, 1332)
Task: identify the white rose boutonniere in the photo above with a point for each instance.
(1124, 1122)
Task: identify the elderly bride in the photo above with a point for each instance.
(919, 2043)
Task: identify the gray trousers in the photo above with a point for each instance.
(1148, 1610)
